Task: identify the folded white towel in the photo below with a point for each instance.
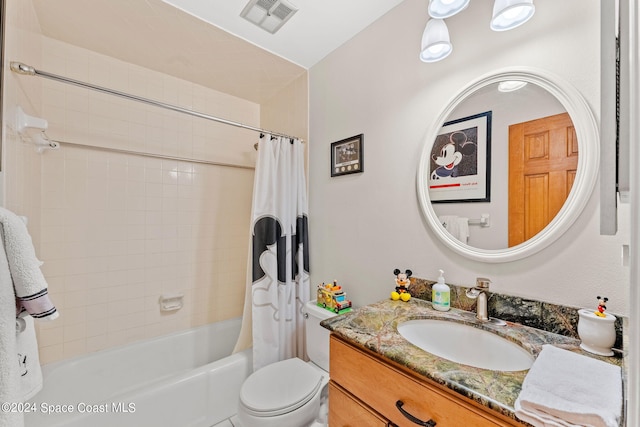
(28, 281)
(566, 389)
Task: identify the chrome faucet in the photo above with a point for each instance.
(479, 292)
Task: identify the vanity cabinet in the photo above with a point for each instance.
(365, 390)
(349, 411)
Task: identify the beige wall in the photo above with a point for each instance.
(288, 112)
(362, 226)
(116, 231)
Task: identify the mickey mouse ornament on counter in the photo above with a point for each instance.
(402, 283)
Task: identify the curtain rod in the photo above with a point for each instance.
(28, 70)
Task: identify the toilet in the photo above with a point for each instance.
(292, 392)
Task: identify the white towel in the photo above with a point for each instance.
(566, 389)
(9, 369)
(458, 227)
(28, 358)
(23, 293)
(28, 281)
(463, 229)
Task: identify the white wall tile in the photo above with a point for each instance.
(116, 231)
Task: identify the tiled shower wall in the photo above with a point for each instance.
(117, 231)
(20, 163)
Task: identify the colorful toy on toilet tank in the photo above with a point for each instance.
(333, 298)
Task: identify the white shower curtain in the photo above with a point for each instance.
(278, 270)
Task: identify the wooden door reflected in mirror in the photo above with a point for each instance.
(543, 159)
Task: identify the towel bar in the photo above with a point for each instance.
(483, 221)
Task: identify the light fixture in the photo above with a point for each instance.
(508, 14)
(511, 85)
(435, 41)
(445, 8)
(270, 15)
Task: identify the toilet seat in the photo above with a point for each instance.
(280, 388)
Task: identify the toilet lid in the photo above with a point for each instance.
(280, 388)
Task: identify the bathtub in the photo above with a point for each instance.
(186, 379)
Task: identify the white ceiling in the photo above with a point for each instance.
(316, 29)
(232, 56)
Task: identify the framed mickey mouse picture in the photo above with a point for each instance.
(460, 167)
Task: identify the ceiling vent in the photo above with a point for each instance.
(269, 15)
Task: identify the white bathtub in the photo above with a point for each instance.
(187, 379)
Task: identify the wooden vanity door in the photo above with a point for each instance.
(345, 411)
(543, 158)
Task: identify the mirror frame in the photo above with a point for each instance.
(586, 174)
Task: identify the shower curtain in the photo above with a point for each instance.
(278, 268)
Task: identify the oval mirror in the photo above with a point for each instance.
(508, 165)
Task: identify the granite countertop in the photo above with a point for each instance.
(375, 327)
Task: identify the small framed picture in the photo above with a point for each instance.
(347, 156)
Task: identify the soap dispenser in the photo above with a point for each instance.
(441, 294)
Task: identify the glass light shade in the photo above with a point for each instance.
(508, 14)
(511, 85)
(442, 9)
(435, 41)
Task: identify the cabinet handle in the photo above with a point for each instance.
(430, 423)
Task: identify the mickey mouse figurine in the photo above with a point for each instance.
(601, 306)
(402, 282)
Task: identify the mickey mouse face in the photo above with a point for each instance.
(448, 157)
(402, 277)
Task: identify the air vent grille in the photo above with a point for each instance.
(281, 11)
(270, 15)
(266, 4)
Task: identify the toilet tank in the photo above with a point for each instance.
(317, 336)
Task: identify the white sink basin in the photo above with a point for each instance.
(466, 345)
